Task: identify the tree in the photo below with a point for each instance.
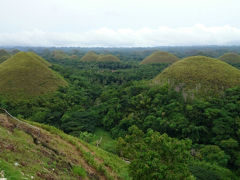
(156, 156)
(75, 122)
(213, 154)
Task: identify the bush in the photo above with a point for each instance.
(78, 170)
(86, 136)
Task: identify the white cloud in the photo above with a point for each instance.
(144, 37)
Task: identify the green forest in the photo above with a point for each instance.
(175, 125)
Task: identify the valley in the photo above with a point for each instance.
(78, 117)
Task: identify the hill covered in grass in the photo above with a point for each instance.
(107, 58)
(89, 57)
(34, 151)
(59, 55)
(200, 74)
(160, 57)
(93, 57)
(230, 58)
(26, 74)
(4, 55)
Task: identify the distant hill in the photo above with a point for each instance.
(26, 74)
(201, 75)
(15, 51)
(59, 55)
(35, 151)
(107, 58)
(3, 52)
(230, 58)
(160, 57)
(89, 57)
(93, 57)
(4, 55)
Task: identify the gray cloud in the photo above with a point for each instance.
(144, 37)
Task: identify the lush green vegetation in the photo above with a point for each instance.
(156, 156)
(160, 57)
(160, 133)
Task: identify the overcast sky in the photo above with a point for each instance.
(118, 23)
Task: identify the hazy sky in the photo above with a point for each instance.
(119, 22)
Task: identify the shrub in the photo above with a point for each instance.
(78, 170)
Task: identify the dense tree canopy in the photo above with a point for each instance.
(155, 156)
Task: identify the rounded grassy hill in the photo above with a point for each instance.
(230, 57)
(26, 74)
(89, 57)
(160, 57)
(199, 75)
(93, 57)
(107, 58)
(59, 55)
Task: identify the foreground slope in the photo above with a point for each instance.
(199, 74)
(27, 74)
(160, 57)
(230, 58)
(43, 152)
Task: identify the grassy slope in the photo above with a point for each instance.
(10, 170)
(230, 58)
(35, 56)
(200, 73)
(107, 58)
(45, 152)
(26, 75)
(160, 57)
